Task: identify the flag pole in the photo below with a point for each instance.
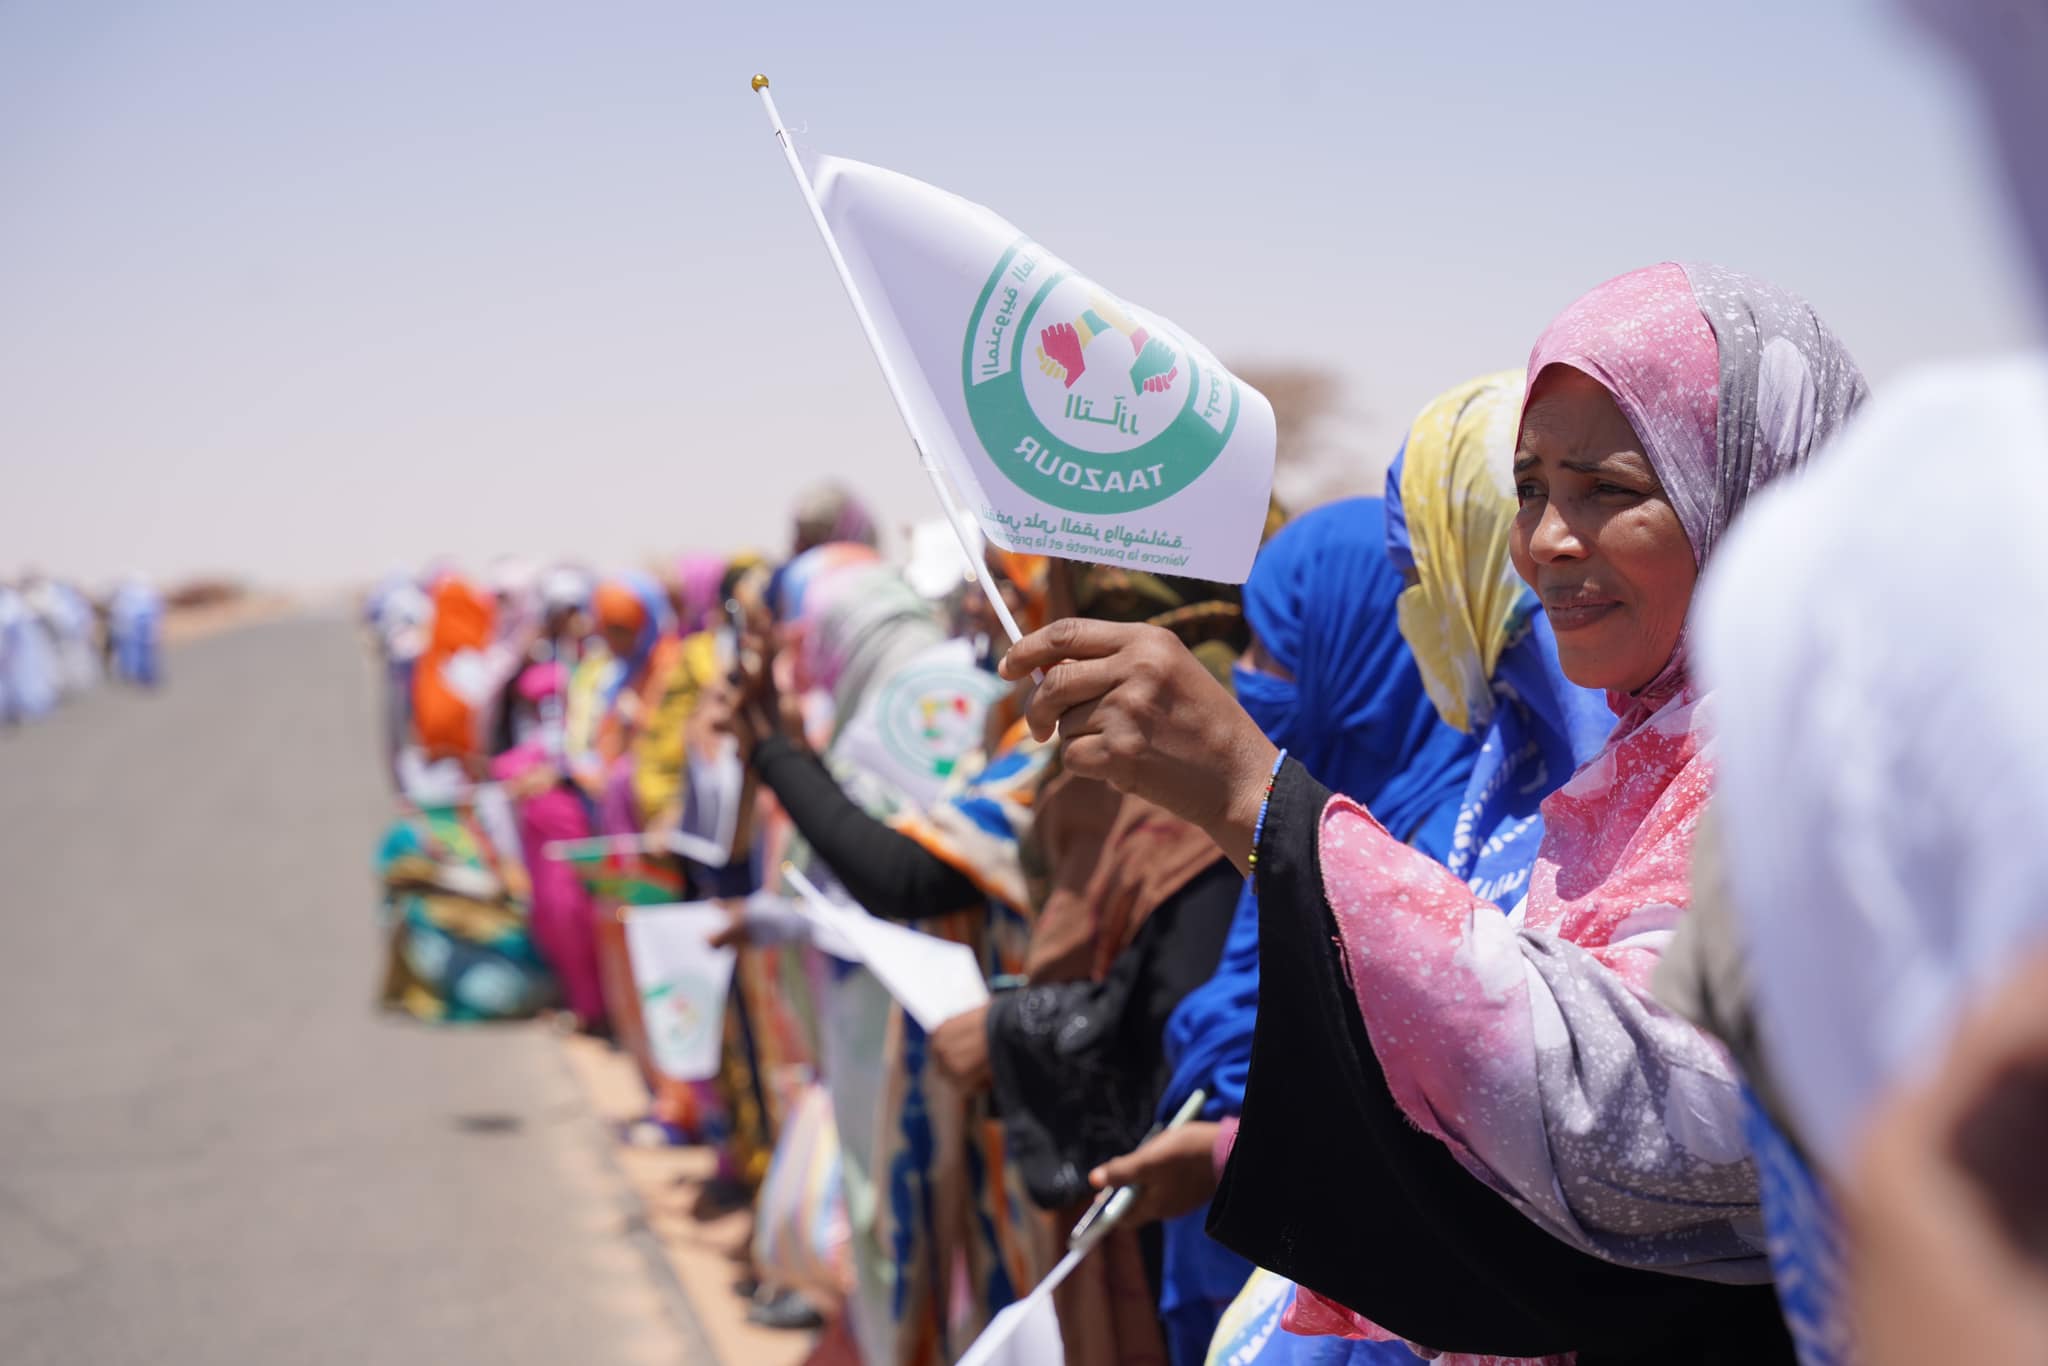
(954, 515)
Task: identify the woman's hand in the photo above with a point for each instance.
(727, 707)
(1174, 1172)
(960, 1047)
(753, 706)
(1134, 708)
(737, 933)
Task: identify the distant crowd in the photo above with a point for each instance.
(57, 641)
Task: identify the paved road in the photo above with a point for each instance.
(212, 1149)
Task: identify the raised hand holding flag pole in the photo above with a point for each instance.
(1075, 423)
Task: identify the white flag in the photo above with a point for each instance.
(910, 735)
(682, 983)
(1073, 422)
(1026, 1333)
(933, 979)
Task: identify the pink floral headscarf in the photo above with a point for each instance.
(1642, 335)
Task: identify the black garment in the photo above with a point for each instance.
(884, 870)
(1079, 1066)
(502, 738)
(1332, 1187)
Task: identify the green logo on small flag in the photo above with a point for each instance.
(1080, 401)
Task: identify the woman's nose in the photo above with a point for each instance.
(1554, 537)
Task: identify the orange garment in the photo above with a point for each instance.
(616, 604)
(448, 723)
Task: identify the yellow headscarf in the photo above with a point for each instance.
(1457, 490)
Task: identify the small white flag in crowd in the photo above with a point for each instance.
(933, 979)
(682, 981)
(1075, 422)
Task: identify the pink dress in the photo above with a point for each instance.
(564, 928)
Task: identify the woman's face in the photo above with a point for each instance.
(1596, 537)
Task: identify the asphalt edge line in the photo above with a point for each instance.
(675, 1296)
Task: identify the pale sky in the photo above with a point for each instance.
(304, 291)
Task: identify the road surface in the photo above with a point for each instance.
(212, 1149)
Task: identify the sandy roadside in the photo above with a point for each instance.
(666, 1181)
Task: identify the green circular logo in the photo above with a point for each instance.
(930, 717)
(1082, 400)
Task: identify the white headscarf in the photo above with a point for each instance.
(1874, 633)
(565, 587)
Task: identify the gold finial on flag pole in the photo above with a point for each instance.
(760, 81)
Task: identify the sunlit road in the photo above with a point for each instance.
(212, 1149)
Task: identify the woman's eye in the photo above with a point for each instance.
(1525, 492)
(1607, 490)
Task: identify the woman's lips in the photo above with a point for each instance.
(1578, 614)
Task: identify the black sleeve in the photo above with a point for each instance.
(888, 872)
(1332, 1187)
(1079, 1067)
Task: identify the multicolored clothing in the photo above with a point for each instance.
(455, 910)
(677, 679)
(1077, 1054)
(1322, 600)
(1250, 1334)
(919, 1183)
(981, 825)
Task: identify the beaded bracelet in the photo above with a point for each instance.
(1259, 829)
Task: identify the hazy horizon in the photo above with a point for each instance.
(303, 295)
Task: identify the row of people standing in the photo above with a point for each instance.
(58, 642)
(1555, 959)
(1140, 954)
(1457, 740)
(1428, 1012)
(1464, 867)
